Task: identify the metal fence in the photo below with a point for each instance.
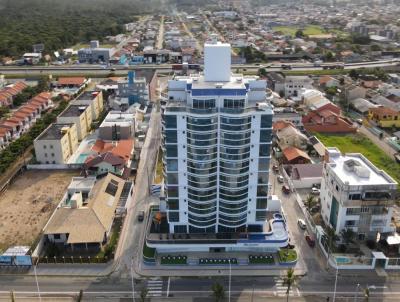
(72, 259)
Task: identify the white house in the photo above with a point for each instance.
(356, 195)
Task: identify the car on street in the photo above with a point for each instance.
(286, 189)
(275, 168)
(280, 179)
(315, 191)
(302, 224)
(310, 240)
(140, 216)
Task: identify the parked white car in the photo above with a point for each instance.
(280, 179)
(315, 191)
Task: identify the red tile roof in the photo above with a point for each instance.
(77, 81)
(292, 153)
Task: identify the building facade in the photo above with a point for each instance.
(356, 195)
(56, 144)
(217, 138)
(81, 115)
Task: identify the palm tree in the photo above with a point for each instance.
(143, 294)
(332, 237)
(366, 294)
(310, 201)
(80, 296)
(12, 296)
(347, 235)
(218, 292)
(289, 280)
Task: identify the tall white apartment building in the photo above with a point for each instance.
(217, 139)
(357, 195)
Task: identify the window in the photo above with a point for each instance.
(52, 154)
(173, 216)
(350, 223)
(261, 215)
(57, 236)
(354, 196)
(263, 177)
(173, 204)
(170, 121)
(173, 191)
(172, 178)
(230, 103)
(364, 210)
(172, 150)
(352, 211)
(263, 164)
(265, 136)
(262, 203)
(171, 137)
(51, 146)
(45, 155)
(265, 150)
(203, 104)
(266, 121)
(172, 165)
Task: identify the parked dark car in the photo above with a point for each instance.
(286, 189)
(310, 240)
(140, 216)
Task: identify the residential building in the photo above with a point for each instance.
(384, 117)
(85, 217)
(328, 81)
(290, 136)
(295, 84)
(8, 93)
(356, 195)
(95, 55)
(293, 155)
(217, 138)
(362, 105)
(117, 125)
(110, 156)
(81, 115)
(305, 176)
(352, 92)
(56, 144)
(94, 99)
(326, 121)
(130, 91)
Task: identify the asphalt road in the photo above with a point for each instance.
(119, 69)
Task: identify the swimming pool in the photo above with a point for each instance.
(81, 158)
(342, 260)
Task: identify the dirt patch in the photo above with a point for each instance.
(28, 203)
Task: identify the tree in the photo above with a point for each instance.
(262, 72)
(218, 292)
(3, 111)
(331, 237)
(366, 294)
(310, 202)
(80, 296)
(329, 56)
(143, 294)
(331, 90)
(289, 280)
(299, 33)
(354, 74)
(347, 235)
(375, 47)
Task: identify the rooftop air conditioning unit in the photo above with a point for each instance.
(218, 85)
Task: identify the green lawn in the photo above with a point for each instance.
(148, 252)
(360, 144)
(286, 255)
(308, 30)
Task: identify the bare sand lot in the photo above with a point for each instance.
(28, 203)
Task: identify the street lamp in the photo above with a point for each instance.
(336, 277)
(230, 275)
(356, 293)
(37, 282)
(133, 281)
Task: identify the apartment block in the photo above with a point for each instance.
(56, 144)
(94, 99)
(356, 195)
(81, 115)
